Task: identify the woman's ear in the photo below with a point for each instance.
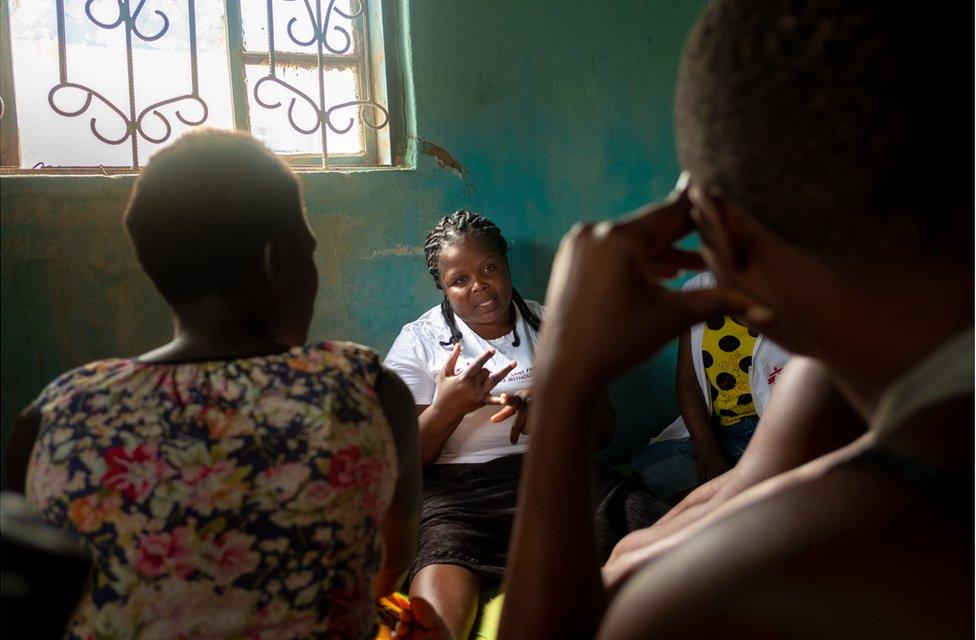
(273, 259)
(724, 230)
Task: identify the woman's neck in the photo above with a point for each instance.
(185, 347)
(213, 328)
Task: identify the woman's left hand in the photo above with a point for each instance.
(513, 404)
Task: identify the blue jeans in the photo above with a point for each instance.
(670, 468)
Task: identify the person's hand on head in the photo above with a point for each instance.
(461, 392)
(513, 404)
(606, 308)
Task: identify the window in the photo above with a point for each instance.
(107, 83)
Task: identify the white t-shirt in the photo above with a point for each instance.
(418, 358)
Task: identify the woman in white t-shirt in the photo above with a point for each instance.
(469, 364)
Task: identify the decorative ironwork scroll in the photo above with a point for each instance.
(135, 123)
(318, 29)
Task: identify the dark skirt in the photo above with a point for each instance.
(469, 509)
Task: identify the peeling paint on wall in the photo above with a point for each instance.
(443, 157)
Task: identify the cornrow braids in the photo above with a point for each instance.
(448, 314)
(533, 320)
(453, 228)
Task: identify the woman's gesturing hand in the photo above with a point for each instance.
(513, 404)
(461, 392)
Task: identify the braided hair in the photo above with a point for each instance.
(460, 225)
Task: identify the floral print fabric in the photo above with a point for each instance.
(225, 499)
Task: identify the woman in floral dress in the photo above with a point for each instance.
(232, 483)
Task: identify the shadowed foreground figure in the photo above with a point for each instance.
(821, 144)
(234, 482)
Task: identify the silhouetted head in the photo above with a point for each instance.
(216, 214)
(837, 125)
(822, 139)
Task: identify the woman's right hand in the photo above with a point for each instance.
(461, 392)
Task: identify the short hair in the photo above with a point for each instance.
(203, 209)
(839, 124)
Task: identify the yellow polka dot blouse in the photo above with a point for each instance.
(727, 354)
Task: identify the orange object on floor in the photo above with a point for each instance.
(388, 610)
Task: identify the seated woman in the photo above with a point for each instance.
(233, 482)
(726, 372)
(462, 359)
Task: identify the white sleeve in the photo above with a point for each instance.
(768, 359)
(408, 360)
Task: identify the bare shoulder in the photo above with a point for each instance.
(846, 553)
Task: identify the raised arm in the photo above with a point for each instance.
(604, 282)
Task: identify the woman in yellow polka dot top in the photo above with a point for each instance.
(725, 372)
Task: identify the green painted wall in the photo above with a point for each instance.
(557, 111)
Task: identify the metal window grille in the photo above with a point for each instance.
(337, 112)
